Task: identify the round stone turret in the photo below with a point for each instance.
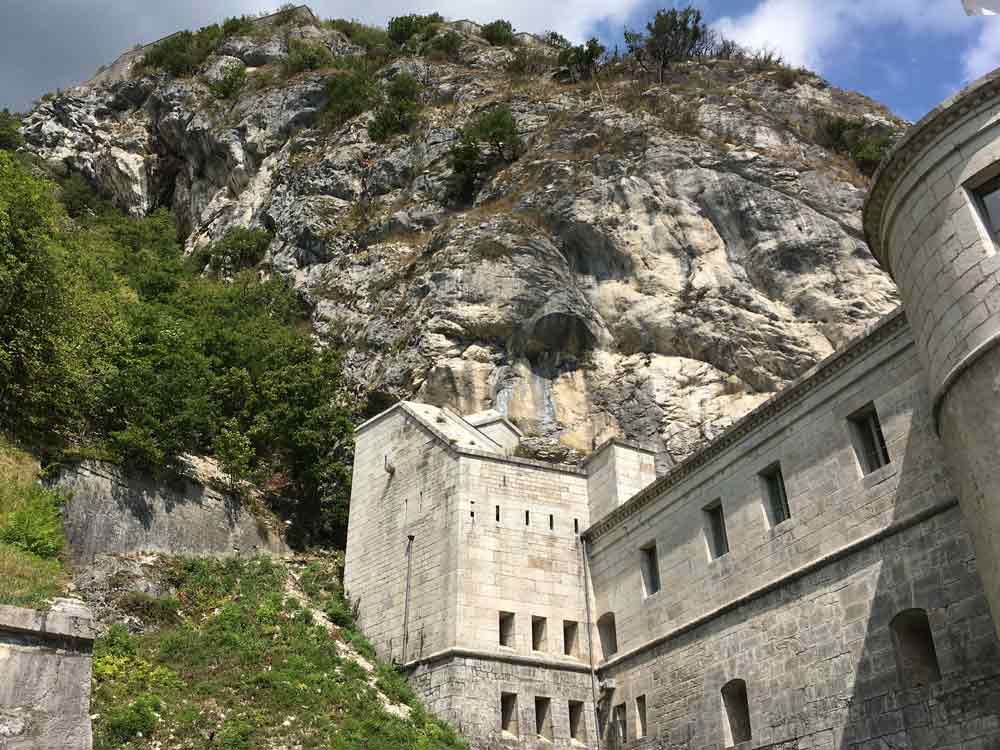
(933, 221)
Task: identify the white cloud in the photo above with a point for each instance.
(812, 32)
(983, 56)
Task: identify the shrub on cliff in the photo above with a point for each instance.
(497, 131)
(581, 60)
(303, 55)
(398, 110)
(672, 36)
(865, 145)
(403, 28)
(10, 136)
(348, 93)
(499, 33)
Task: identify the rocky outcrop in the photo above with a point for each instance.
(660, 260)
(112, 512)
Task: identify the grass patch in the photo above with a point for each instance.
(245, 665)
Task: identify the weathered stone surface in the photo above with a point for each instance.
(45, 677)
(112, 512)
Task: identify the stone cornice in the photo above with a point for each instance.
(888, 327)
(942, 118)
(501, 656)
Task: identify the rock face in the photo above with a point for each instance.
(45, 660)
(110, 513)
(659, 261)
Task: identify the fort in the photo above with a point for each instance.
(825, 575)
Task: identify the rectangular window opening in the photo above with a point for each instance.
(552, 522)
(987, 198)
(576, 525)
(527, 518)
(538, 633)
(619, 726)
(543, 718)
(715, 519)
(507, 629)
(650, 565)
(498, 514)
(640, 716)
(577, 727)
(776, 497)
(571, 638)
(508, 713)
(869, 442)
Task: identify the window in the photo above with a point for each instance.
(571, 638)
(498, 514)
(988, 198)
(552, 522)
(507, 629)
(508, 713)
(608, 634)
(640, 716)
(527, 518)
(543, 718)
(916, 657)
(715, 519)
(869, 442)
(650, 565)
(577, 727)
(538, 631)
(576, 525)
(775, 497)
(619, 729)
(737, 708)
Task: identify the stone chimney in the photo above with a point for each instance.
(616, 471)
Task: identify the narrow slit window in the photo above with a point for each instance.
(640, 717)
(869, 442)
(775, 495)
(576, 525)
(650, 564)
(508, 713)
(498, 514)
(543, 718)
(571, 638)
(552, 522)
(916, 657)
(577, 728)
(988, 199)
(527, 518)
(608, 634)
(715, 521)
(507, 629)
(737, 708)
(539, 629)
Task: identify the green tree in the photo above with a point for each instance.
(348, 95)
(10, 134)
(497, 130)
(499, 33)
(672, 36)
(398, 111)
(582, 60)
(403, 28)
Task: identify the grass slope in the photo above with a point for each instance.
(238, 659)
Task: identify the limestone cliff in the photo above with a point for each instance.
(659, 261)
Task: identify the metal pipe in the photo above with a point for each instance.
(406, 598)
(590, 637)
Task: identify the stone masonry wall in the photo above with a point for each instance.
(417, 497)
(45, 662)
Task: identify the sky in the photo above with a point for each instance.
(907, 54)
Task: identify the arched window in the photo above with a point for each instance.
(608, 633)
(734, 700)
(916, 657)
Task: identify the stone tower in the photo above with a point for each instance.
(933, 221)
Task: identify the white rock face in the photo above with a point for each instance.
(633, 273)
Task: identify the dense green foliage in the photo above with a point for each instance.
(349, 93)
(865, 146)
(31, 533)
(372, 38)
(398, 110)
(239, 249)
(10, 137)
(303, 55)
(446, 46)
(496, 129)
(403, 28)
(499, 33)
(247, 665)
(230, 84)
(183, 53)
(110, 337)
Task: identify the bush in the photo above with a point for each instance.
(237, 25)
(582, 60)
(403, 28)
(527, 63)
(369, 37)
(230, 84)
(498, 130)
(238, 249)
(183, 53)
(555, 39)
(348, 95)
(10, 135)
(866, 146)
(137, 718)
(285, 15)
(398, 110)
(31, 519)
(303, 55)
(446, 46)
(499, 33)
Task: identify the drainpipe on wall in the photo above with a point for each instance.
(406, 599)
(590, 637)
